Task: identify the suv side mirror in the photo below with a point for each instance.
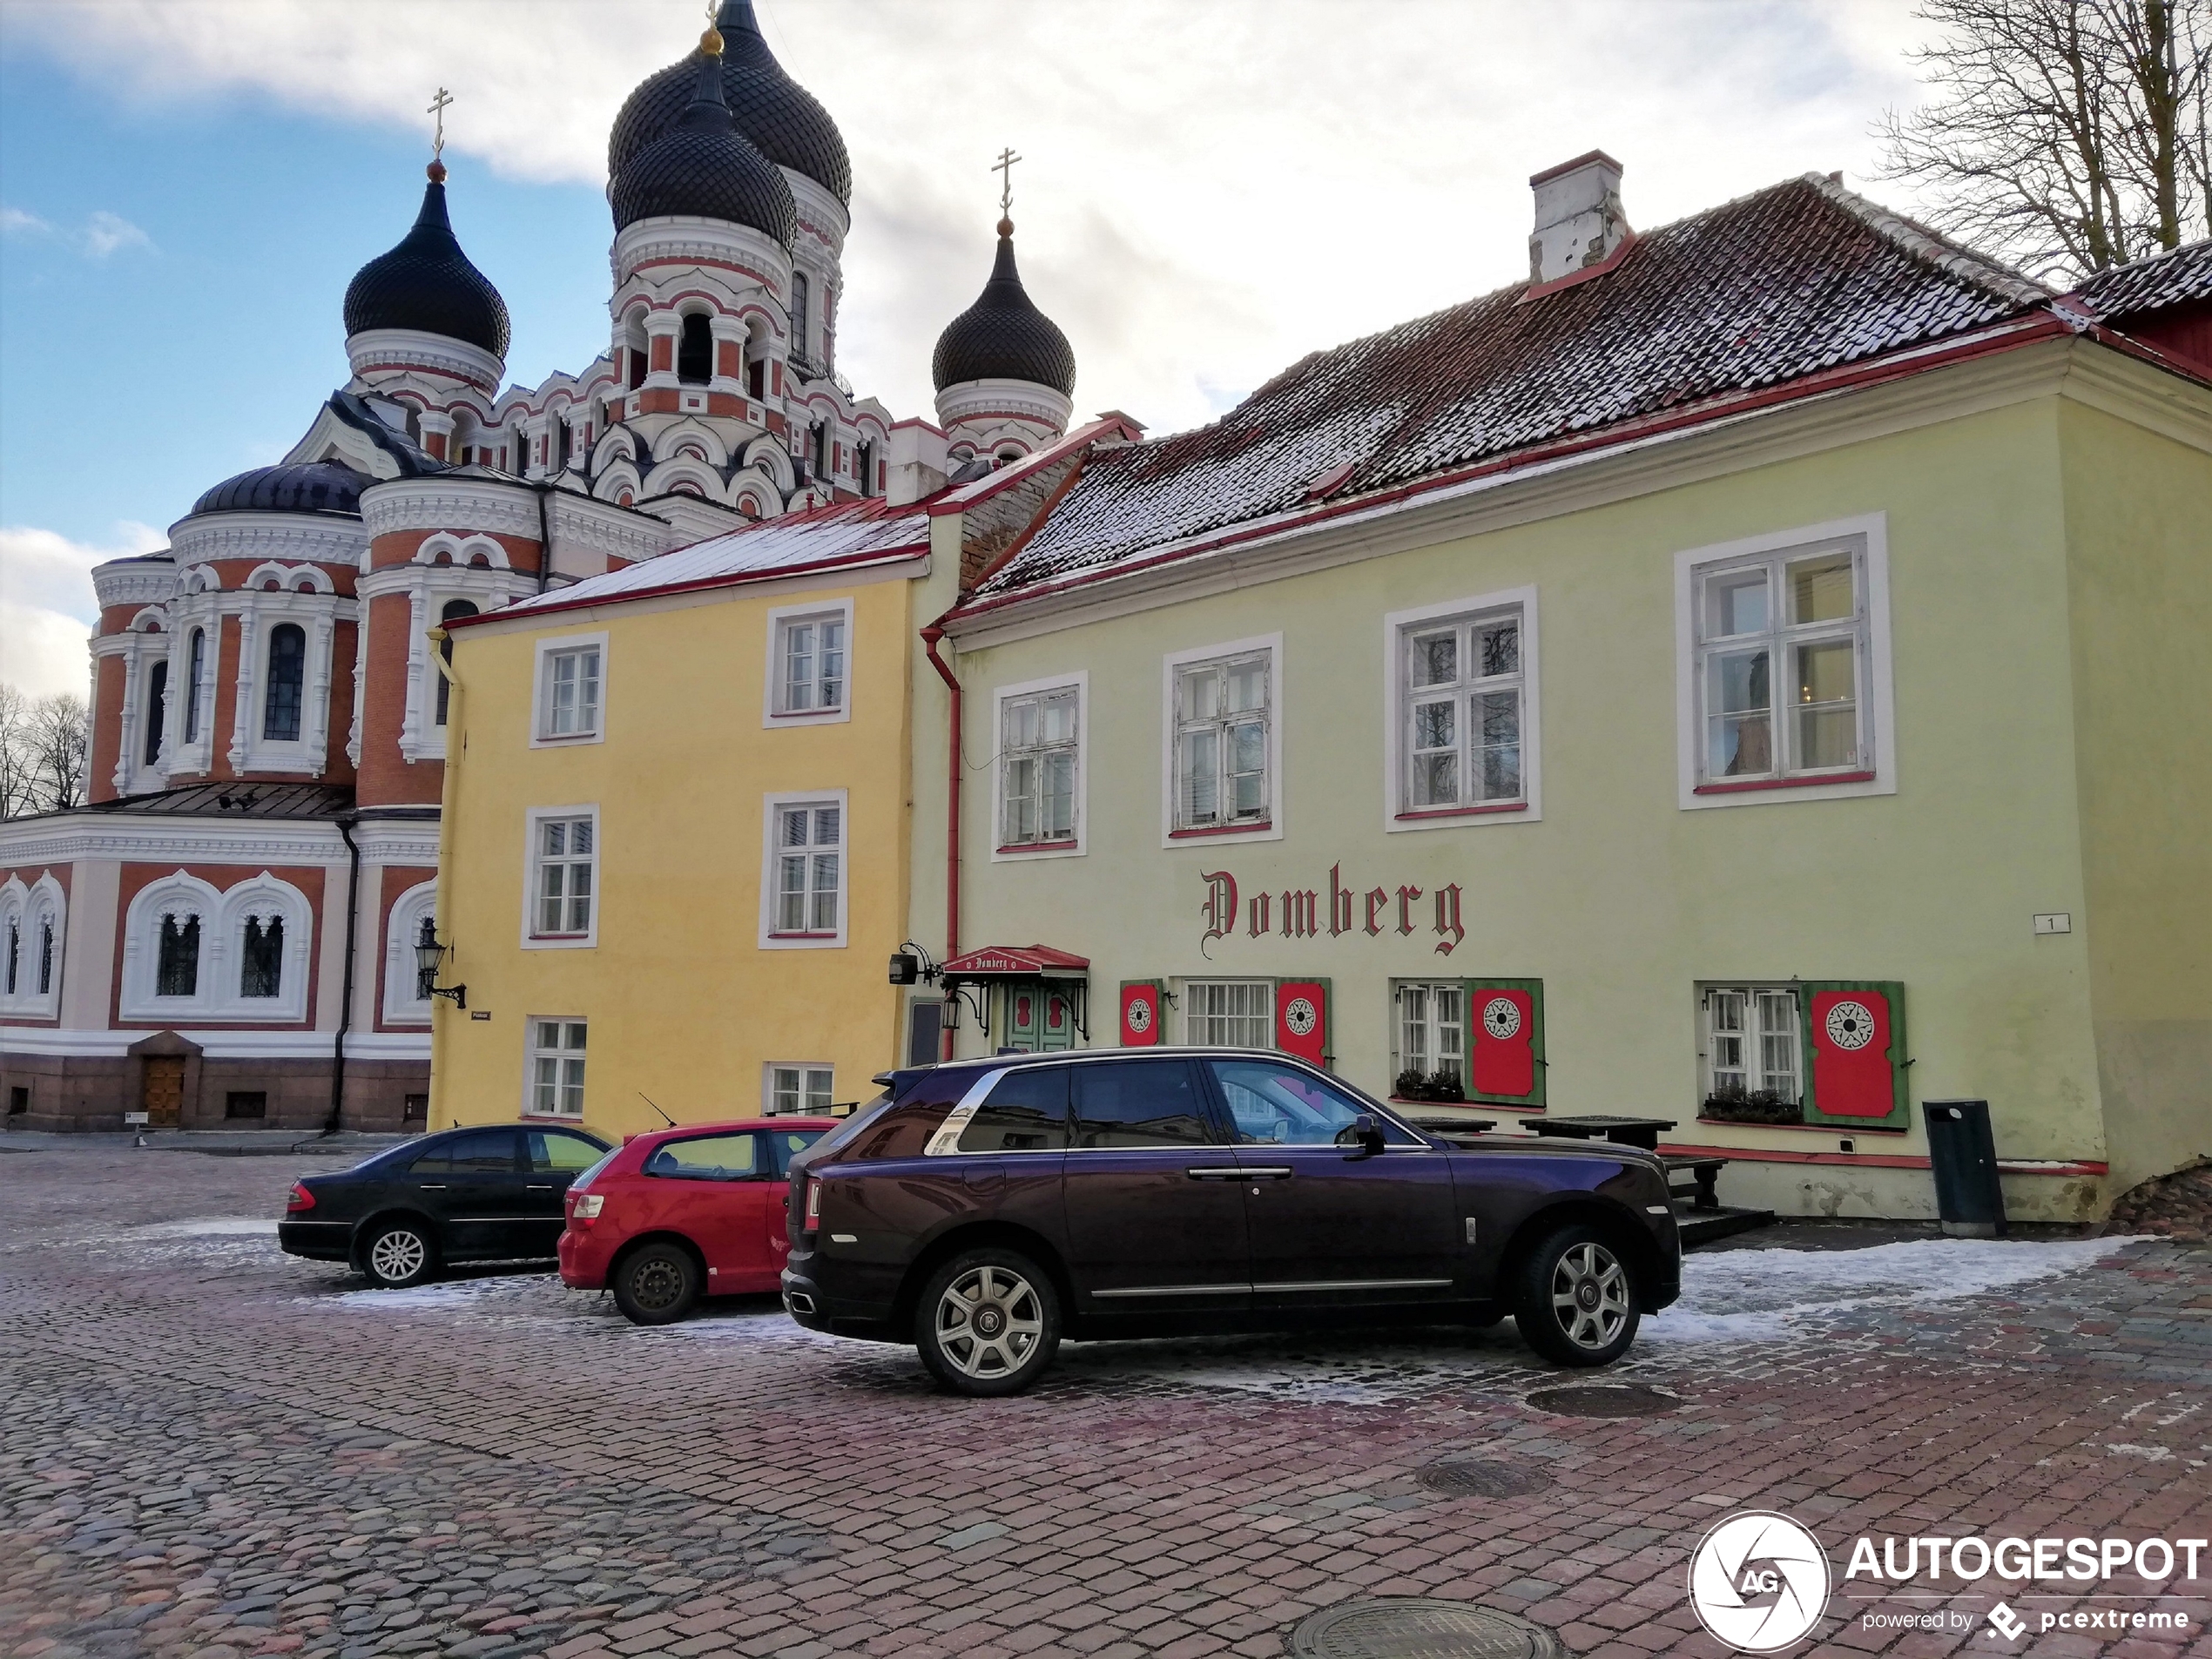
(1362, 1136)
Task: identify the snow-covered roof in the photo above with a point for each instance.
(853, 532)
(2174, 278)
(1798, 278)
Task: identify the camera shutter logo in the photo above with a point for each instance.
(1759, 1581)
(1301, 1017)
(1850, 1025)
(1501, 1018)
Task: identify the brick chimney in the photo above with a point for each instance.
(1579, 221)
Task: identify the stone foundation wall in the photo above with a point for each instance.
(70, 1093)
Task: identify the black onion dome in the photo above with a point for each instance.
(310, 487)
(775, 113)
(427, 284)
(703, 167)
(1003, 336)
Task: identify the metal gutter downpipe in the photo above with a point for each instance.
(930, 637)
(346, 822)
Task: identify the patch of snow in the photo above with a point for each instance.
(1767, 1295)
(2149, 1454)
(210, 1226)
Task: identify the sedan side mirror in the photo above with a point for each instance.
(1363, 1135)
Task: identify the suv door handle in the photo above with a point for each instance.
(434, 1186)
(1215, 1172)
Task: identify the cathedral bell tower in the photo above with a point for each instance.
(1005, 373)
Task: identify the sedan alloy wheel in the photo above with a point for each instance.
(400, 1255)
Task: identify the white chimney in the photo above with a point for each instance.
(1579, 221)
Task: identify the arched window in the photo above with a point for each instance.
(821, 448)
(288, 685)
(863, 468)
(156, 707)
(262, 963)
(799, 301)
(197, 659)
(15, 952)
(176, 972)
(455, 609)
(695, 353)
(46, 956)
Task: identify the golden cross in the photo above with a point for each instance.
(438, 108)
(1004, 167)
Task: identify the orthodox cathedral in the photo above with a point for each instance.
(228, 932)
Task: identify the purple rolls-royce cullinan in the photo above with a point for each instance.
(982, 1210)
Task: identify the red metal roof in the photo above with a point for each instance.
(1022, 959)
(1783, 285)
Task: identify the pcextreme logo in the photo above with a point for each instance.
(1759, 1581)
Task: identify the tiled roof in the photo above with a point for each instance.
(849, 533)
(2169, 278)
(1796, 279)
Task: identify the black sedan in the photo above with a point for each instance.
(464, 1195)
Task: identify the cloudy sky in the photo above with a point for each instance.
(1211, 189)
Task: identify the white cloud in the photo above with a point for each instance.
(103, 234)
(1211, 191)
(47, 607)
(16, 222)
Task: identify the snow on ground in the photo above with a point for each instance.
(209, 1226)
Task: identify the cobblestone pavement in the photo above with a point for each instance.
(207, 1449)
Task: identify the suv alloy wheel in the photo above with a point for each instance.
(988, 1322)
(1573, 1298)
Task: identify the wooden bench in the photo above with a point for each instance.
(1703, 1171)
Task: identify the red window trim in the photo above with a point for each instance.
(1219, 829)
(1799, 781)
(583, 932)
(1873, 1128)
(805, 714)
(1476, 1105)
(1042, 846)
(545, 1117)
(1432, 813)
(773, 934)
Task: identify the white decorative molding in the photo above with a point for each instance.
(217, 1044)
(397, 351)
(294, 578)
(403, 1002)
(260, 615)
(1026, 401)
(684, 239)
(821, 216)
(463, 551)
(600, 527)
(129, 582)
(429, 589)
(163, 839)
(223, 918)
(325, 537)
(444, 502)
(33, 924)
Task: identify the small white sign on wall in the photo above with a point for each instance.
(2055, 922)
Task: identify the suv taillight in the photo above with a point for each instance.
(814, 1221)
(298, 1199)
(586, 1206)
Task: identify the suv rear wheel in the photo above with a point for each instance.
(656, 1284)
(988, 1322)
(1574, 1299)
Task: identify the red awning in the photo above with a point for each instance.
(1022, 961)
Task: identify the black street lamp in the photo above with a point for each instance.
(428, 953)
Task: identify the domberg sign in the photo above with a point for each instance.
(1303, 914)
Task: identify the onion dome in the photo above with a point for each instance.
(701, 167)
(775, 113)
(427, 284)
(1003, 336)
(310, 487)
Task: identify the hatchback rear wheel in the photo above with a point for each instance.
(400, 1254)
(988, 1322)
(1573, 1298)
(656, 1284)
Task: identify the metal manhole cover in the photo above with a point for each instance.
(1475, 1479)
(1605, 1400)
(1415, 1628)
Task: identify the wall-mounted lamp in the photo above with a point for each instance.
(428, 953)
(910, 965)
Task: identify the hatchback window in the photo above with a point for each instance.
(1027, 1112)
(708, 1157)
(592, 1174)
(554, 1153)
(788, 1143)
(1138, 1103)
(481, 1152)
(1278, 1105)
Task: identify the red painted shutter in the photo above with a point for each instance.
(1140, 1013)
(1855, 1058)
(1302, 1019)
(1505, 1036)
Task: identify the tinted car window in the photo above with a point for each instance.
(903, 1131)
(591, 1174)
(1027, 1112)
(476, 1151)
(1138, 1103)
(1279, 1106)
(707, 1158)
(784, 1142)
(554, 1153)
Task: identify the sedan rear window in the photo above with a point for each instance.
(707, 1158)
(1138, 1103)
(477, 1152)
(1027, 1112)
(553, 1152)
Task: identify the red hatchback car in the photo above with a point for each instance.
(672, 1216)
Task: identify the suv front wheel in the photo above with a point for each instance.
(988, 1322)
(1573, 1298)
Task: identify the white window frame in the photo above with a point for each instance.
(772, 807)
(1397, 715)
(1190, 989)
(28, 908)
(222, 934)
(806, 1069)
(1398, 1055)
(1867, 536)
(402, 973)
(1172, 664)
(531, 1055)
(589, 938)
(1754, 1068)
(1001, 851)
(773, 714)
(542, 689)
